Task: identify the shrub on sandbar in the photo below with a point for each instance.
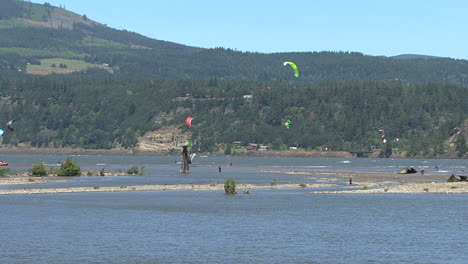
(230, 186)
(69, 168)
(39, 170)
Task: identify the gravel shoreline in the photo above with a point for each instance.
(433, 187)
(362, 182)
(245, 188)
(386, 182)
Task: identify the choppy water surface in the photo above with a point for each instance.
(266, 226)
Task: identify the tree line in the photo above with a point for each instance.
(96, 109)
(339, 102)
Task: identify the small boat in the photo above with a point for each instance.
(3, 163)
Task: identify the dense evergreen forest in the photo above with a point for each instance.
(96, 109)
(339, 101)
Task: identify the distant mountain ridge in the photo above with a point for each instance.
(50, 16)
(414, 56)
(30, 33)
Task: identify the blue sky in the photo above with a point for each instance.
(373, 27)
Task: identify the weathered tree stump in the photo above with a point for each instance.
(184, 166)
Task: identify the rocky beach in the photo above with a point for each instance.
(29, 182)
(386, 182)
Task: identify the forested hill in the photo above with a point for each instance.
(30, 33)
(100, 110)
(116, 86)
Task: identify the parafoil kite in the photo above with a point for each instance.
(188, 122)
(293, 66)
(382, 133)
(288, 124)
(9, 125)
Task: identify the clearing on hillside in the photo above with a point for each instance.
(59, 65)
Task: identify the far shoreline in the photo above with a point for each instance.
(245, 153)
(63, 151)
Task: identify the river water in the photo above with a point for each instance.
(266, 226)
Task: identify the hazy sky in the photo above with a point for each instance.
(373, 27)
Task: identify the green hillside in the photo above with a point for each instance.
(115, 85)
(30, 32)
(100, 110)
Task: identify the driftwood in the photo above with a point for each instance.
(457, 178)
(407, 171)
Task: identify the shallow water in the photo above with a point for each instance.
(266, 226)
(23, 162)
(160, 170)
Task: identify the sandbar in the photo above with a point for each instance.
(385, 182)
(324, 182)
(240, 188)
